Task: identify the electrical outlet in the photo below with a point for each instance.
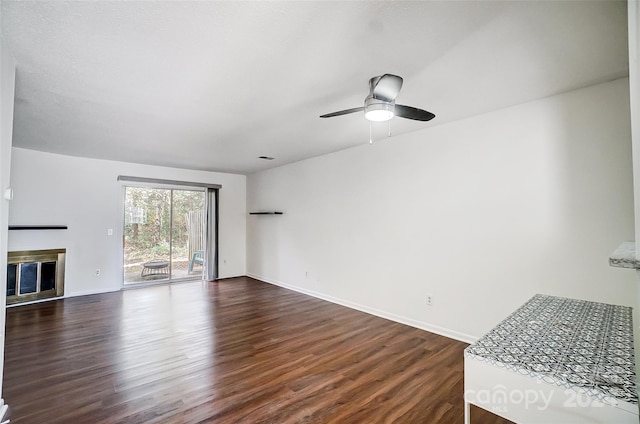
(429, 300)
(98, 272)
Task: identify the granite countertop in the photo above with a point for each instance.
(625, 256)
(567, 342)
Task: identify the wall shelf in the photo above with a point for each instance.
(266, 213)
(37, 227)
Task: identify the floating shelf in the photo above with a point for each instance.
(37, 227)
(266, 213)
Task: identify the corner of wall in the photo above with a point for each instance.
(7, 94)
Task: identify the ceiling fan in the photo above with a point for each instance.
(380, 105)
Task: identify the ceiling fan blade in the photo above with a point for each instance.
(343, 112)
(386, 87)
(416, 114)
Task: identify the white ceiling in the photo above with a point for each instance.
(214, 85)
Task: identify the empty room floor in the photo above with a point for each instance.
(231, 351)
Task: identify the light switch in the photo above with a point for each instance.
(110, 232)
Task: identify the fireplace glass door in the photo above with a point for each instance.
(163, 234)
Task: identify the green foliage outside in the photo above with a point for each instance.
(148, 223)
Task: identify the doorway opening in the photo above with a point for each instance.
(165, 234)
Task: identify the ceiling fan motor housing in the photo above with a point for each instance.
(373, 82)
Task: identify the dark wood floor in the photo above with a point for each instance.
(233, 351)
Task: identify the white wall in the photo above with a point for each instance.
(634, 91)
(7, 91)
(84, 194)
(634, 88)
(480, 213)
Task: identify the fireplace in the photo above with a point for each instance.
(35, 275)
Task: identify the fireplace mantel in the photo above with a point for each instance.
(37, 227)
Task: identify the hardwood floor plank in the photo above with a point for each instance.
(232, 351)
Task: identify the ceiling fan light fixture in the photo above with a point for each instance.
(378, 111)
(380, 105)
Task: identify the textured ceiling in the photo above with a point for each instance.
(215, 85)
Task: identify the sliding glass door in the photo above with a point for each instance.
(164, 234)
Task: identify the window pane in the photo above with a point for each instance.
(12, 270)
(28, 278)
(187, 232)
(47, 276)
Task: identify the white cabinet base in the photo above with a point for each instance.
(526, 400)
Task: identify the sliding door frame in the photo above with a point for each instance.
(209, 273)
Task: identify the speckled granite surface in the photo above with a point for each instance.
(571, 343)
(625, 256)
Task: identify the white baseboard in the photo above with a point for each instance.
(3, 412)
(13, 305)
(90, 292)
(456, 335)
(65, 296)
